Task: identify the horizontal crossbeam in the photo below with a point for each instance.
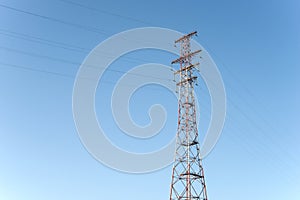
(178, 60)
(186, 36)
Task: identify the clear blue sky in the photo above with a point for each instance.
(255, 44)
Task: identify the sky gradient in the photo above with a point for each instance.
(255, 45)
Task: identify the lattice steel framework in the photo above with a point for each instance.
(188, 176)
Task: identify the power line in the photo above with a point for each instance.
(57, 44)
(87, 28)
(83, 27)
(65, 46)
(40, 40)
(105, 12)
(35, 70)
(77, 63)
(39, 55)
(236, 78)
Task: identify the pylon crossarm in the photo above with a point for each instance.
(182, 58)
(192, 66)
(186, 36)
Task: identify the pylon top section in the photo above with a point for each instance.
(185, 51)
(186, 36)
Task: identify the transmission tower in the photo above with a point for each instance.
(188, 176)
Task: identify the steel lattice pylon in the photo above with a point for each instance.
(188, 176)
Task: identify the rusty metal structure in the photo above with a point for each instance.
(188, 181)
